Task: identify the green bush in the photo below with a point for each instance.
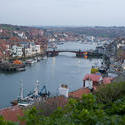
(104, 107)
(4, 122)
(86, 111)
(111, 92)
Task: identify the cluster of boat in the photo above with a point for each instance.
(17, 65)
(32, 97)
(99, 68)
(35, 60)
(12, 66)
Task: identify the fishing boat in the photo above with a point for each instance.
(99, 67)
(21, 100)
(32, 96)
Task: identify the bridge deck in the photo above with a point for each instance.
(72, 51)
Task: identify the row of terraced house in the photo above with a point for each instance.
(25, 49)
(20, 43)
(20, 49)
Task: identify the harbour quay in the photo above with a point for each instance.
(9, 67)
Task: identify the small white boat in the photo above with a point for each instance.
(35, 61)
(25, 104)
(21, 69)
(30, 61)
(39, 58)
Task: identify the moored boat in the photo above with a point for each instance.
(12, 67)
(20, 67)
(31, 97)
(30, 61)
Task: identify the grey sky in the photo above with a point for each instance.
(63, 12)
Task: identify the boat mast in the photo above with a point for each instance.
(21, 90)
(36, 90)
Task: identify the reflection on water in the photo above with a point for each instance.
(52, 72)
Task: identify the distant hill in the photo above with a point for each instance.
(17, 27)
(111, 32)
(97, 31)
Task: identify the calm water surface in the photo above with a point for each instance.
(52, 72)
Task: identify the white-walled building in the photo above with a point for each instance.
(26, 48)
(28, 52)
(38, 50)
(16, 51)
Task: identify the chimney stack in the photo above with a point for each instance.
(64, 90)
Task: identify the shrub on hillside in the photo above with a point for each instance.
(110, 92)
(4, 122)
(104, 107)
(86, 111)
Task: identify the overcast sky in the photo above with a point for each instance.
(63, 12)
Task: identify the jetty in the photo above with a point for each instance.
(10, 67)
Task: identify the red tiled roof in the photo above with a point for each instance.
(11, 113)
(96, 78)
(16, 39)
(78, 93)
(93, 77)
(59, 100)
(3, 46)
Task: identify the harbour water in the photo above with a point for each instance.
(53, 71)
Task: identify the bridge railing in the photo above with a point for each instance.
(70, 50)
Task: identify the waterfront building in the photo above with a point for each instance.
(16, 51)
(27, 48)
(30, 48)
